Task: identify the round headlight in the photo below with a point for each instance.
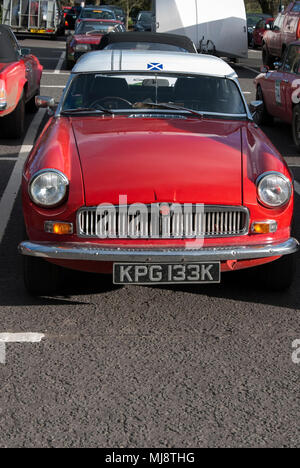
(48, 188)
(274, 189)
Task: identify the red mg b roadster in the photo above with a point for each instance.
(153, 169)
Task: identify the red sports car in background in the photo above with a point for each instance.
(153, 169)
(20, 76)
(87, 37)
(258, 33)
(279, 92)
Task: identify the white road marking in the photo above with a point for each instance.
(247, 92)
(8, 159)
(51, 86)
(17, 338)
(52, 73)
(249, 68)
(297, 187)
(50, 58)
(60, 63)
(10, 193)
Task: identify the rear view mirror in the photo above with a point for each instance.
(255, 108)
(44, 102)
(25, 52)
(277, 65)
(264, 69)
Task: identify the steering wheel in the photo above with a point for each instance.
(109, 100)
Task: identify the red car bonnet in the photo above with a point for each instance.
(160, 160)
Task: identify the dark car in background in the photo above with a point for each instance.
(147, 41)
(87, 37)
(262, 26)
(71, 14)
(119, 12)
(94, 12)
(252, 20)
(143, 21)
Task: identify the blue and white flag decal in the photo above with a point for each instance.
(155, 66)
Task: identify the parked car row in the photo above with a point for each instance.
(130, 189)
(20, 77)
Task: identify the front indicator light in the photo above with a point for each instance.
(59, 228)
(264, 227)
(3, 97)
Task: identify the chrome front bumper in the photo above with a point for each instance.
(92, 252)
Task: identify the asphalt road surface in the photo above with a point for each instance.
(142, 366)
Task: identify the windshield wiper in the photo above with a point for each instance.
(171, 106)
(88, 110)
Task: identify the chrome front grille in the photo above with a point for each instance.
(162, 221)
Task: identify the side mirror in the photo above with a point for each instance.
(264, 69)
(44, 102)
(277, 65)
(25, 52)
(255, 108)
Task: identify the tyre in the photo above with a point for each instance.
(276, 276)
(69, 64)
(41, 278)
(31, 106)
(262, 117)
(267, 58)
(296, 126)
(15, 122)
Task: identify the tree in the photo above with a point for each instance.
(128, 5)
(269, 7)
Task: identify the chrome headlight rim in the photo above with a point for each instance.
(284, 178)
(47, 171)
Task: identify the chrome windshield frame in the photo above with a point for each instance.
(232, 78)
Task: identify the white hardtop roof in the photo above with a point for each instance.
(153, 61)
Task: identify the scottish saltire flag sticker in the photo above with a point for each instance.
(155, 66)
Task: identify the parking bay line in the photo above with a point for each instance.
(8, 159)
(249, 68)
(60, 63)
(17, 338)
(52, 86)
(11, 191)
(297, 187)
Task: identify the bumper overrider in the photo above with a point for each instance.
(92, 252)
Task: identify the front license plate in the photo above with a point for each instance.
(166, 273)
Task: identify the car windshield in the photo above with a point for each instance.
(97, 14)
(145, 17)
(136, 92)
(86, 27)
(144, 46)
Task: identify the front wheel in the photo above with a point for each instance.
(296, 126)
(267, 58)
(15, 122)
(263, 117)
(276, 276)
(31, 107)
(41, 278)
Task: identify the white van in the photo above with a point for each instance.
(218, 27)
(42, 17)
